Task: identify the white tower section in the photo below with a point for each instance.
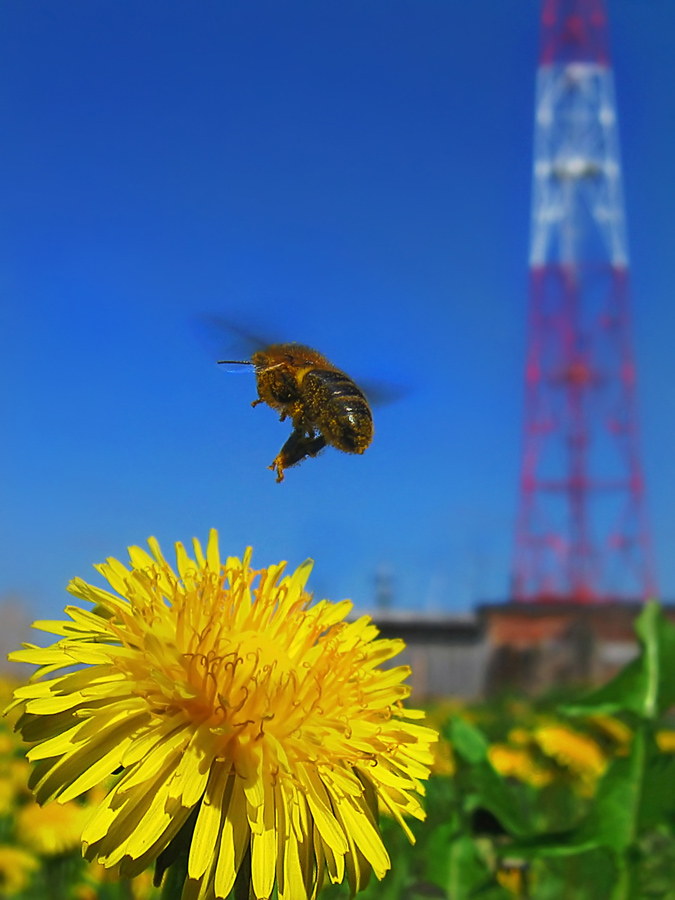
(577, 200)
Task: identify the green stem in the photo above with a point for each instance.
(621, 890)
(56, 883)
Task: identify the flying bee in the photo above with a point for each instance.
(325, 406)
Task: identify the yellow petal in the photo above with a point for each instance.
(207, 828)
(234, 837)
(264, 846)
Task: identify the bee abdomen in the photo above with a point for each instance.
(335, 382)
(340, 409)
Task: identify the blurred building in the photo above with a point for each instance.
(535, 647)
(447, 654)
(528, 648)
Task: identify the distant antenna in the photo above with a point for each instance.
(384, 591)
(582, 533)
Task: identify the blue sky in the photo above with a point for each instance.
(352, 175)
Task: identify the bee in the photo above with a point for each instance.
(324, 405)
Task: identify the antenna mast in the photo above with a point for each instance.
(582, 533)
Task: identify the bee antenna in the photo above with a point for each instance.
(235, 362)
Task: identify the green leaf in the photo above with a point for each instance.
(467, 869)
(468, 741)
(437, 853)
(646, 686)
(658, 788)
(635, 793)
(491, 790)
(614, 820)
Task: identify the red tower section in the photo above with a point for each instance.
(582, 533)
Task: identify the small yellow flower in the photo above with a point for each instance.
(521, 737)
(666, 741)
(53, 829)
(573, 750)
(14, 774)
(16, 868)
(615, 729)
(516, 762)
(444, 759)
(7, 743)
(245, 722)
(512, 879)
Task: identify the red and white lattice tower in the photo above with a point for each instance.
(582, 533)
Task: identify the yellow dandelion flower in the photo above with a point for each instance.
(615, 729)
(247, 725)
(512, 879)
(16, 868)
(444, 759)
(436, 716)
(573, 750)
(14, 774)
(8, 743)
(515, 762)
(51, 830)
(521, 737)
(666, 741)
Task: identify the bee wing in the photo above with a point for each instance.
(382, 393)
(225, 339)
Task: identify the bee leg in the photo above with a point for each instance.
(296, 412)
(299, 446)
(277, 466)
(257, 402)
(315, 445)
